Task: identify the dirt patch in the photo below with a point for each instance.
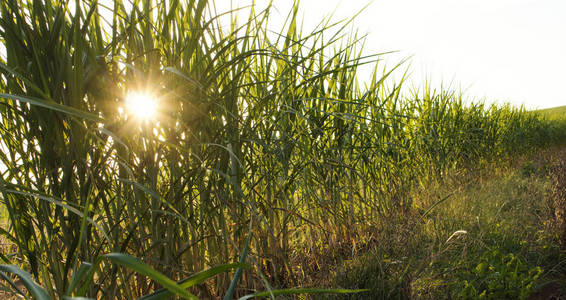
(551, 291)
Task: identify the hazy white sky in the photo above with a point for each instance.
(503, 50)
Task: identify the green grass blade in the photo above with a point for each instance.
(195, 279)
(35, 290)
(60, 203)
(232, 288)
(137, 265)
(79, 275)
(53, 106)
(11, 283)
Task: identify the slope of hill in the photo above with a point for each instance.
(558, 112)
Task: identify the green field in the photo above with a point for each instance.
(554, 112)
(150, 151)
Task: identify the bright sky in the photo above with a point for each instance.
(501, 50)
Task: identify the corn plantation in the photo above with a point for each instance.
(264, 143)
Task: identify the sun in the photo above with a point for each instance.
(142, 105)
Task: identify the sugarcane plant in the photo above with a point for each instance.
(156, 139)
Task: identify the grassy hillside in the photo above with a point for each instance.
(264, 165)
(558, 112)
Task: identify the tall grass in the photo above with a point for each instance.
(253, 126)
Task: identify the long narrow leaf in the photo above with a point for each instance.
(53, 106)
(35, 290)
(195, 279)
(142, 268)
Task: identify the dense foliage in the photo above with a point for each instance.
(255, 129)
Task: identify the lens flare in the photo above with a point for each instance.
(141, 105)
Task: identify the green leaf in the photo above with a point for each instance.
(58, 203)
(35, 290)
(232, 288)
(54, 106)
(12, 284)
(195, 279)
(481, 268)
(301, 291)
(142, 268)
(23, 78)
(79, 275)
